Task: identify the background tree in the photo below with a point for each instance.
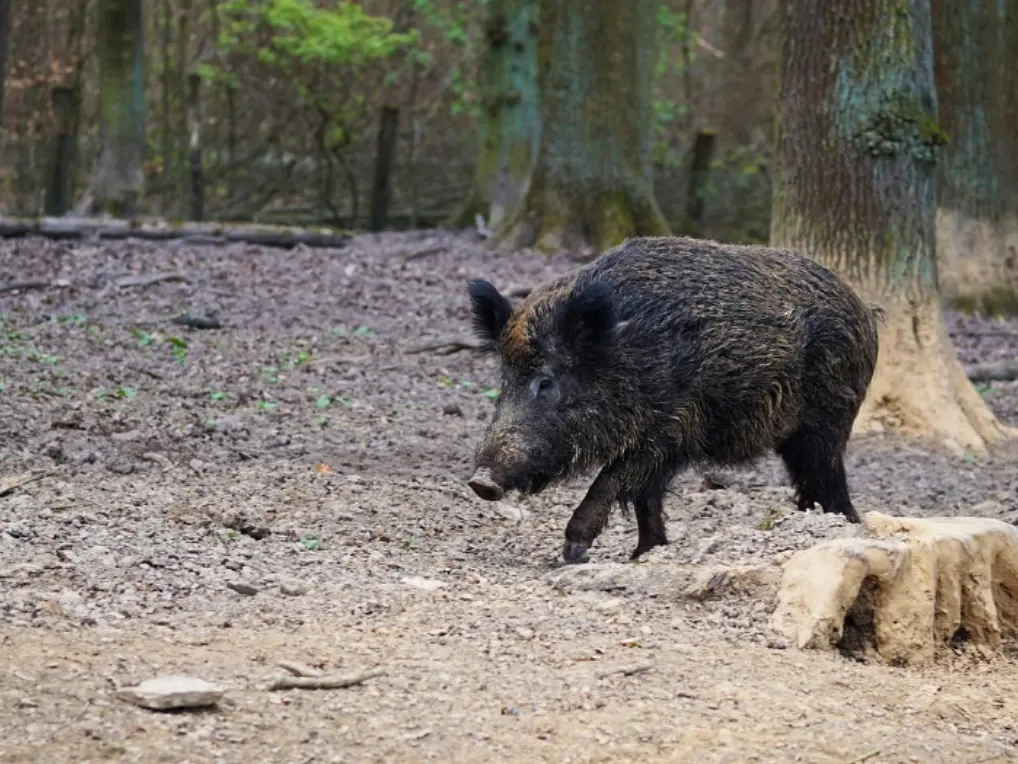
(590, 184)
(507, 129)
(976, 73)
(855, 187)
(5, 30)
(118, 181)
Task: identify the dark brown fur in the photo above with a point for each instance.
(666, 352)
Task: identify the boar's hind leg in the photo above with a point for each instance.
(816, 464)
(649, 510)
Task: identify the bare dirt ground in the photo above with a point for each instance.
(290, 487)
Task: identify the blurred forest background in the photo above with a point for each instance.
(294, 94)
(397, 114)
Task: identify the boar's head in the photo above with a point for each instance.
(555, 348)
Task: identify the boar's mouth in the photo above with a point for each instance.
(484, 484)
(490, 488)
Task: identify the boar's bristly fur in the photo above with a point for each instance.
(668, 352)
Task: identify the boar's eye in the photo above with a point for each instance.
(541, 385)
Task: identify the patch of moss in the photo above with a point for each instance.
(999, 302)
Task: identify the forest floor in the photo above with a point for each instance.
(290, 486)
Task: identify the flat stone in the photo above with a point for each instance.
(170, 692)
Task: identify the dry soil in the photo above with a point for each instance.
(290, 486)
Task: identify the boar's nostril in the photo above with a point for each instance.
(484, 485)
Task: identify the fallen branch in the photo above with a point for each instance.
(1003, 371)
(24, 286)
(12, 484)
(154, 229)
(447, 347)
(298, 669)
(639, 668)
(520, 292)
(324, 682)
(422, 253)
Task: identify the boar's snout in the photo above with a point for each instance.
(484, 485)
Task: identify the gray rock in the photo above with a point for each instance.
(243, 587)
(169, 692)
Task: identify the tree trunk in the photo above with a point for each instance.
(588, 186)
(195, 120)
(118, 183)
(508, 128)
(975, 65)
(855, 187)
(58, 187)
(5, 33)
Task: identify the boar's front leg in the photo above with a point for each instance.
(636, 480)
(591, 515)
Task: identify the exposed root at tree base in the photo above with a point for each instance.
(579, 221)
(920, 389)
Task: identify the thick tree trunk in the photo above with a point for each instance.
(976, 73)
(118, 183)
(589, 185)
(855, 187)
(508, 128)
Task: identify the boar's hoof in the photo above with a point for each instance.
(484, 485)
(575, 552)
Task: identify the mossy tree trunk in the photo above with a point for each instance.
(118, 181)
(976, 74)
(508, 128)
(590, 182)
(855, 187)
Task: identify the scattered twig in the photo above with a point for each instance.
(149, 280)
(520, 292)
(299, 669)
(639, 668)
(865, 757)
(422, 253)
(324, 682)
(1003, 371)
(446, 347)
(13, 484)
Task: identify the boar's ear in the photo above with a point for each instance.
(491, 310)
(587, 318)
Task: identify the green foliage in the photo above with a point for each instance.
(674, 53)
(452, 23)
(322, 53)
(285, 33)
